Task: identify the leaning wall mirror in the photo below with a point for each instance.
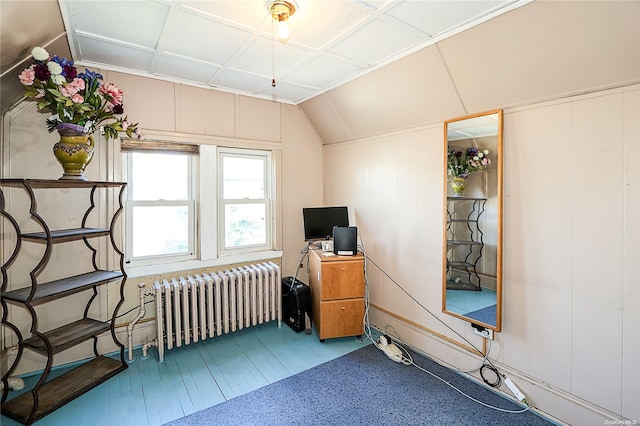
(472, 276)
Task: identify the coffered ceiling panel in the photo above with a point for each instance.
(437, 17)
(322, 71)
(142, 22)
(184, 68)
(375, 42)
(117, 56)
(231, 46)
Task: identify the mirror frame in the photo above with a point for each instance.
(496, 159)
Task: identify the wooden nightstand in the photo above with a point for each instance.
(337, 292)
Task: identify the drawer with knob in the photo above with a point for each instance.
(337, 291)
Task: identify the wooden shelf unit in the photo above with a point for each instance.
(49, 395)
(337, 292)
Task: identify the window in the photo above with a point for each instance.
(160, 207)
(244, 207)
(197, 206)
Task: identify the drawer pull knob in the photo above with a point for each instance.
(342, 307)
(343, 269)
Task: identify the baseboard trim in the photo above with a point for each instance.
(555, 404)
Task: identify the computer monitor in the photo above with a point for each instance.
(319, 221)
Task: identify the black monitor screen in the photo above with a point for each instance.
(319, 221)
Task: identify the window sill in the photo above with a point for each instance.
(144, 271)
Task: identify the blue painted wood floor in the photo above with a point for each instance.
(197, 376)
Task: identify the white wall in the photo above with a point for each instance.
(567, 75)
(571, 247)
(165, 111)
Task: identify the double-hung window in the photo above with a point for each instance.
(244, 212)
(206, 206)
(161, 207)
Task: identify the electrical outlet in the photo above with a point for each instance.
(487, 334)
(482, 332)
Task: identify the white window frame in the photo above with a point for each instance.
(190, 203)
(207, 253)
(268, 201)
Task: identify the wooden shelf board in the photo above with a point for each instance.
(454, 263)
(464, 243)
(68, 335)
(466, 198)
(51, 183)
(63, 287)
(64, 235)
(462, 285)
(63, 389)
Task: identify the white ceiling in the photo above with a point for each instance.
(228, 45)
(476, 127)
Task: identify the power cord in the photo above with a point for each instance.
(470, 397)
(408, 360)
(303, 253)
(383, 341)
(485, 359)
(489, 366)
(135, 307)
(422, 306)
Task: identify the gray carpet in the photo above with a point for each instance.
(486, 315)
(365, 388)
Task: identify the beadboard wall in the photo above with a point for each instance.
(571, 245)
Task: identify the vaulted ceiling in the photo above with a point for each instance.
(426, 61)
(230, 45)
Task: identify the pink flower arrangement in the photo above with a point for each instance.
(461, 164)
(110, 91)
(78, 101)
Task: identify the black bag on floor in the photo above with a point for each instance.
(296, 305)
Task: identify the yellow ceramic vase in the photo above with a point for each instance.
(457, 185)
(74, 152)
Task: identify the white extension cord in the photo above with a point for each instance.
(515, 390)
(391, 351)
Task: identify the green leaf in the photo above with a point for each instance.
(56, 93)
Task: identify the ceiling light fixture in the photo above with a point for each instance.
(281, 11)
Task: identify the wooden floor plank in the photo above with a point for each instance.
(286, 346)
(233, 370)
(160, 403)
(265, 361)
(125, 390)
(199, 382)
(137, 394)
(173, 386)
(299, 351)
(194, 377)
(154, 397)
